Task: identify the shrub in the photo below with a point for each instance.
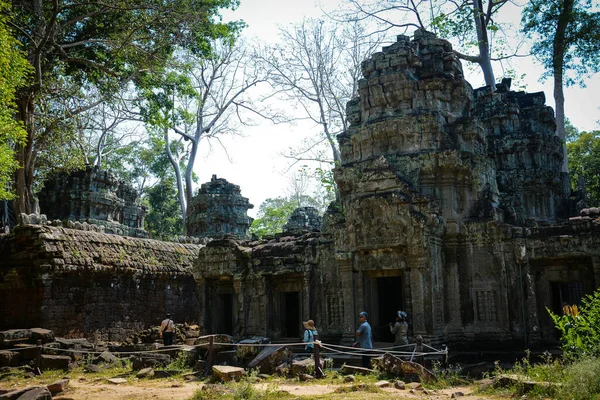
(580, 329)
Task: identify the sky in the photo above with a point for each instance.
(254, 160)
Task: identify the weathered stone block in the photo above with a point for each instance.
(54, 362)
(227, 373)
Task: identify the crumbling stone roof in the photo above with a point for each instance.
(53, 249)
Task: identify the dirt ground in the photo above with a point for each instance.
(175, 390)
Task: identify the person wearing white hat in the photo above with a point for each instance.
(400, 329)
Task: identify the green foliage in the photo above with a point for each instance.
(272, 215)
(239, 391)
(584, 163)
(581, 43)
(14, 71)
(580, 329)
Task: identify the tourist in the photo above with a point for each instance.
(167, 330)
(363, 337)
(309, 335)
(400, 329)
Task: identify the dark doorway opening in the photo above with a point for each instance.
(290, 312)
(390, 300)
(565, 294)
(224, 314)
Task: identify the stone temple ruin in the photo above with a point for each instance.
(452, 207)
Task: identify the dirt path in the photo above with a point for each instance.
(175, 390)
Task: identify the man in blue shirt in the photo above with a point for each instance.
(363, 337)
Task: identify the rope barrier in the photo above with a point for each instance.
(338, 349)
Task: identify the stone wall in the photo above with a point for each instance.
(219, 209)
(96, 197)
(85, 283)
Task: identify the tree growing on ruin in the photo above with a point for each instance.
(316, 69)
(566, 39)
(95, 44)
(471, 22)
(584, 164)
(201, 99)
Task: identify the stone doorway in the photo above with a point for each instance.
(224, 313)
(289, 303)
(384, 297)
(220, 306)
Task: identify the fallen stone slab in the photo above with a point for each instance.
(145, 373)
(77, 344)
(305, 366)
(351, 370)
(527, 385)
(249, 348)
(400, 385)
(221, 342)
(58, 386)
(117, 381)
(105, 357)
(306, 377)
(152, 360)
(270, 358)
(27, 351)
(412, 368)
(12, 335)
(382, 384)
(49, 361)
(44, 335)
(227, 373)
(29, 393)
(166, 373)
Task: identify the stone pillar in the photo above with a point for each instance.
(344, 261)
(239, 325)
(306, 297)
(417, 284)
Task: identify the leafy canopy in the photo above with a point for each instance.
(584, 163)
(581, 42)
(14, 72)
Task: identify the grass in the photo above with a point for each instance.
(578, 380)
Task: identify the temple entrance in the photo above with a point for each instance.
(290, 313)
(224, 313)
(384, 297)
(389, 297)
(220, 307)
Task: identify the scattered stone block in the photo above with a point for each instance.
(165, 373)
(58, 386)
(45, 335)
(400, 385)
(117, 381)
(349, 378)
(249, 348)
(269, 359)
(37, 393)
(456, 395)
(145, 373)
(106, 357)
(153, 360)
(9, 358)
(92, 368)
(27, 351)
(227, 373)
(305, 366)
(351, 369)
(382, 384)
(49, 361)
(306, 377)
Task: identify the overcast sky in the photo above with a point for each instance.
(255, 159)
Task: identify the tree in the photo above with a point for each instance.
(584, 164)
(471, 22)
(13, 74)
(566, 37)
(317, 68)
(97, 44)
(272, 215)
(209, 99)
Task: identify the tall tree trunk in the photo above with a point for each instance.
(25, 201)
(179, 180)
(559, 44)
(483, 44)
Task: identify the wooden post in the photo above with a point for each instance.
(419, 349)
(318, 371)
(211, 348)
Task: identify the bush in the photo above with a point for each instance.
(580, 329)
